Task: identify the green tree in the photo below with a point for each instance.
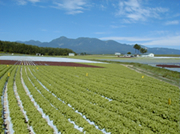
(128, 52)
(143, 50)
(136, 47)
(84, 53)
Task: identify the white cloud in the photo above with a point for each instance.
(154, 41)
(24, 2)
(159, 33)
(126, 38)
(71, 6)
(164, 41)
(34, 1)
(176, 15)
(134, 11)
(115, 26)
(174, 22)
(21, 2)
(159, 9)
(102, 7)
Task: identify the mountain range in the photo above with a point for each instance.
(96, 46)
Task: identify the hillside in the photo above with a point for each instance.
(96, 46)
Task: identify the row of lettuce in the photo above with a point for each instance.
(66, 93)
(2, 84)
(58, 112)
(148, 113)
(20, 124)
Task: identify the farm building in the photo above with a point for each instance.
(71, 54)
(128, 55)
(117, 54)
(148, 55)
(38, 54)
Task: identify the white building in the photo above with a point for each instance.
(38, 54)
(127, 55)
(148, 55)
(71, 54)
(117, 54)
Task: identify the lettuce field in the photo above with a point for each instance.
(74, 100)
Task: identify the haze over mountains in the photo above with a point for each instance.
(96, 46)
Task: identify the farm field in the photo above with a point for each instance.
(41, 58)
(154, 62)
(59, 99)
(157, 60)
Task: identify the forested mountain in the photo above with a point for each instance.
(96, 46)
(15, 47)
(31, 42)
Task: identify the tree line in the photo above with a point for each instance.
(15, 47)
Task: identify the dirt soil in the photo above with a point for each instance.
(46, 63)
(170, 66)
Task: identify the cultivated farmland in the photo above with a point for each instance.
(73, 100)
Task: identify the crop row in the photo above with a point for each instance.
(82, 105)
(63, 109)
(122, 95)
(17, 118)
(114, 99)
(4, 75)
(62, 124)
(144, 117)
(137, 90)
(14, 120)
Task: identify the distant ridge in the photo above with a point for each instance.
(96, 46)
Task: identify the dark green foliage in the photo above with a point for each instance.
(143, 50)
(14, 47)
(83, 53)
(128, 52)
(136, 46)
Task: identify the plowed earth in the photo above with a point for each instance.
(170, 66)
(46, 63)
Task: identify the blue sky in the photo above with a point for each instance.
(153, 23)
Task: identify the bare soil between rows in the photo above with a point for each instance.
(46, 63)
